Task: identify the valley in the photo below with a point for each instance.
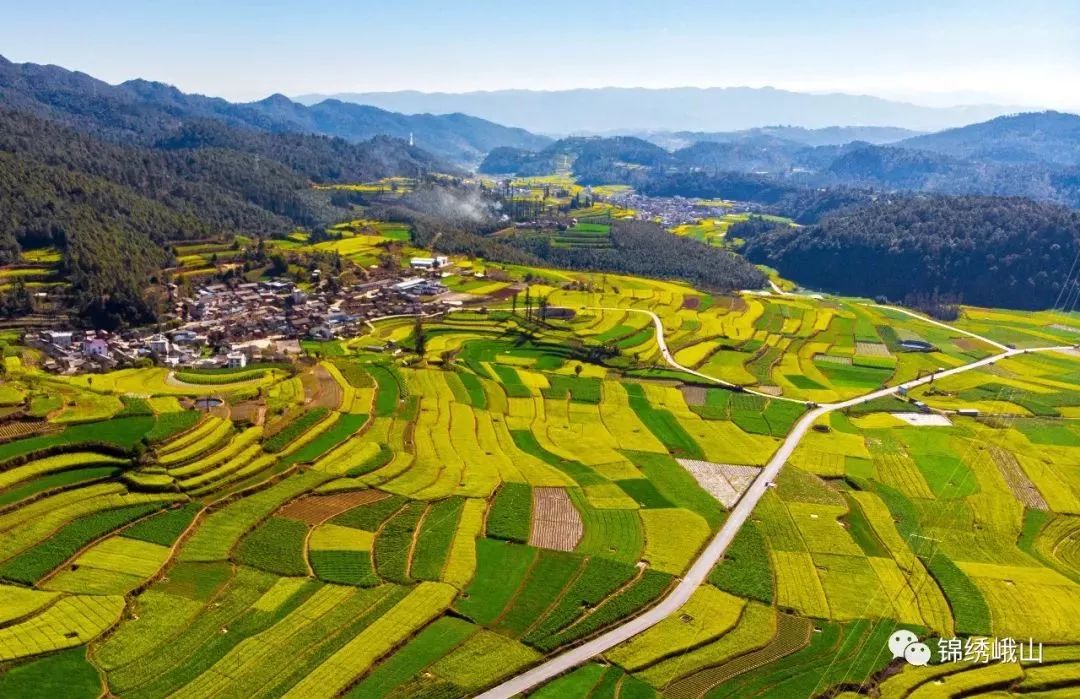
(315, 399)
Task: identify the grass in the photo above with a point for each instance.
(167, 664)
(123, 433)
(168, 424)
(474, 389)
(72, 621)
(511, 381)
(345, 426)
(578, 683)
(501, 567)
(373, 463)
(969, 607)
(388, 389)
(55, 481)
(294, 429)
(276, 546)
(435, 537)
(551, 573)
(755, 629)
(481, 660)
(370, 516)
(353, 373)
(663, 424)
(34, 563)
(672, 538)
(394, 543)
(744, 570)
(432, 643)
(644, 493)
(510, 513)
(576, 388)
(583, 475)
(163, 528)
(344, 567)
(675, 485)
(55, 464)
(67, 673)
(323, 639)
(598, 579)
(636, 596)
(426, 601)
(706, 616)
(220, 377)
(849, 652)
(615, 534)
(221, 530)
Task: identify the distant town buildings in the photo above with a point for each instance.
(223, 325)
(674, 211)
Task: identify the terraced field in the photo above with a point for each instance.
(428, 526)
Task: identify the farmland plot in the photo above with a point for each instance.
(725, 482)
(556, 523)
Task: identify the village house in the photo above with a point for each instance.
(97, 347)
(61, 339)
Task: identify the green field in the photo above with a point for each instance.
(447, 520)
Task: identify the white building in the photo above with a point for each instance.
(236, 360)
(96, 348)
(58, 338)
(158, 344)
(429, 262)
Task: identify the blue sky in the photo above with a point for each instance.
(1024, 53)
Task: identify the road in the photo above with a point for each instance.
(938, 323)
(777, 289)
(662, 342)
(712, 553)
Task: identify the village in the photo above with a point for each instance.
(229, 326)
(675, 211)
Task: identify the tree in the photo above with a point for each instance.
(279, 265)
(17, 300)
(420, 336)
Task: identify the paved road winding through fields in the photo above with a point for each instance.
(670, 359)
(715, 549)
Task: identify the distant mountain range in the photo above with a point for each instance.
(616, 109)
(1033, 155)
(142, 110)
(827, 136)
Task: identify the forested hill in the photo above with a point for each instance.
(464, 220)
(1043, 137)
(143, 111)
(1033, 155)
(1005, 252)
(114, 209)
(594, 160)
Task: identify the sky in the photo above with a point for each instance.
(1024, 53)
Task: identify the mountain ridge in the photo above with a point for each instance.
(58, 93)
(712, 109)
